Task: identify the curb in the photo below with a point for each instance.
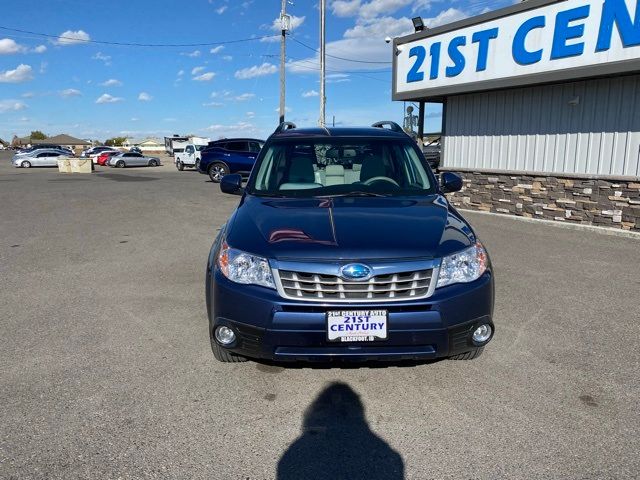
(615, 232)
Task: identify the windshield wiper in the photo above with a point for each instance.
(355, 194)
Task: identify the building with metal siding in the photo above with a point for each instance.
(590, 127)
(541, 107)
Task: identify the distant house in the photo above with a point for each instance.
(65, 140)
(18, 142)
(146, 145)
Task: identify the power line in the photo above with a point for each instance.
(358, 74)
(335, 56)
(132, 44)
(315, 64)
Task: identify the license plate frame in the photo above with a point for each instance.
(376, 318)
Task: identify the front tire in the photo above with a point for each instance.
(180, 166)
(26, 164)
(153, 163)
(197, 164)
(218, 170)
(120, 164)
(223, 355)
(475, 353)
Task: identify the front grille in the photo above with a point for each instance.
(395, 286)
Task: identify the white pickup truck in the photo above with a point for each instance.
(190, 157)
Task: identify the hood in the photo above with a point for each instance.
(348, 228)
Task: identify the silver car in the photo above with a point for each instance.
(132, 159)
(39, 158)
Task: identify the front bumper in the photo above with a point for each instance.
(270, 327)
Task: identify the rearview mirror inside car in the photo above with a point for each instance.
(450, 182)
(232, 183)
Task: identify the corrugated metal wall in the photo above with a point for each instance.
(542, 129)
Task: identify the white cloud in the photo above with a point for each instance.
(205, 77)
(134, 119)
(70, 92)
(213, 104)
(194, 54)
(345, 8)
(251, 114)
(22, 73)
(234, 130)
(145, 97)
(40, 49)
(72, 38)
(444, 17)
(112, 82)
(11, 106)
(8, 46)
(102, 57)
(244, 97)
(28, 95)
(286, 109)
(310, 93)
(377, 7)
(180, 73)
(217, 49)
(276, 26)
(227, 58)
(224, 93)
(364, 42)
(106, 98)
(221, 10)
(197, 70)
(43, 66)
(256, 71)
(338, 78)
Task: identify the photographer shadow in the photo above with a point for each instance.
(337, 443)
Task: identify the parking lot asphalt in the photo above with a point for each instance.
(106, 370)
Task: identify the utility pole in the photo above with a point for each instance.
(323, 99)
(284, 26)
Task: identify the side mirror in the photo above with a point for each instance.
(231, 183)
(450, 182)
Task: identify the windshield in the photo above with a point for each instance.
(200, 147)
(342, 167)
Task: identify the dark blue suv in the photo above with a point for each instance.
(344, 246)
(226, 156)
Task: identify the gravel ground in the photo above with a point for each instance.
(107, 372)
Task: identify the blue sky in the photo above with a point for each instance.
(93, 90)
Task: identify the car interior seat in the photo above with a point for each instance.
(301, 175)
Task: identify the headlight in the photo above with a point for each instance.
(242, 267)
(463, 267)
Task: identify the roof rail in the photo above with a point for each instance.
(285, 126)
(392, 126)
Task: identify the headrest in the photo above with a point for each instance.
(334, 170)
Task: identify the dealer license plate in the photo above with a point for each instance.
(357, 325)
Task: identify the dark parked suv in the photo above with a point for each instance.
(344, 246)
(229, 156)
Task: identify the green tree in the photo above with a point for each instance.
(38, 135)
(115, 141)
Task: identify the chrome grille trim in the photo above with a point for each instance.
(390, 282)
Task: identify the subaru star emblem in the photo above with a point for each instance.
(355, 271)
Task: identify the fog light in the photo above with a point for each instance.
(225, 336)
(482, 334)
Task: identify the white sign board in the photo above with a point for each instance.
(562, 40)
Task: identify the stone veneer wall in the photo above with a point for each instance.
(601, 202)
